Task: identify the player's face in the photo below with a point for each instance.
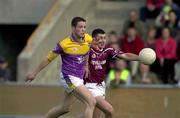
(101, 40)
(80, 29)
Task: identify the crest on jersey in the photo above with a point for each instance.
(80, 59)
(74, 49)
(93, 56)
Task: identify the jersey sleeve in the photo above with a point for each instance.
(54, 52)
(115, 52)
(88, 38)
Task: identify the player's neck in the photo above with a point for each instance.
(77, 38)
(98, 48)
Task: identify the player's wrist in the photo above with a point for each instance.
(34, 74)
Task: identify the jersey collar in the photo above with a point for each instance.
(73, 38)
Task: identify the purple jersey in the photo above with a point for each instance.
(73, 55)
(98, 63)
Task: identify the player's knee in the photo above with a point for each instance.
(92, 102)
(66, 109)
(110, 111)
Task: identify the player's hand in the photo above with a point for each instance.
(30, 77)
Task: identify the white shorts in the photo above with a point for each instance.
(96, 90)
(70, 83)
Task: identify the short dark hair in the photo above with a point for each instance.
(97, 31)
(75, 21)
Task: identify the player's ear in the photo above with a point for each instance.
(73, 28)
(94, 41)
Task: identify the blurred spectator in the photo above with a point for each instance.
(151, 38)
(119, 75)
(133, 21)
(171, 4)
(151, 10)
(174, 24)
(113, 37)
(150, 43)
(166, 55)
(177, 66)
(172, 20)
(5, 74)
(164, 15)
(177, 2)
(115, 46)
(133, 43)
(145, 76)
(113, 40)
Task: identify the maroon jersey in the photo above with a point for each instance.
(98, 63)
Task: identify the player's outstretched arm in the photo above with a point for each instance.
(40, 67)
(128, 57)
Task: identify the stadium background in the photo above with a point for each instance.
(31, 28)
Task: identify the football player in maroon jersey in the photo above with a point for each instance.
(96, 70)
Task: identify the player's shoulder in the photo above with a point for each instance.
(88, 38)
(108, 48)
(111, 49)
(64, 41)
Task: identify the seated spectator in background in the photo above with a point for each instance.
(119, 74)
(166, 55)
(133, 43)
(164, 15)
(113, 37)
(172, 5)
(133, 21)
(5, 74)
(151, 38)
(174, 24)
(177, 66)
(115, 46)
(151, 10)
(177, 2)
(150, 43)
(145, 76)
(113, 40)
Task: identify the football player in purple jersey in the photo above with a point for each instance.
(73, 51)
